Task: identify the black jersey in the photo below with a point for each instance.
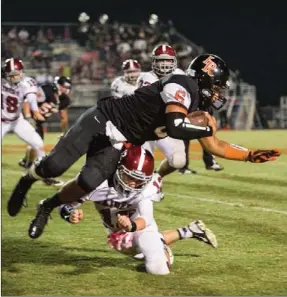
(138, 115)
(49, 102)
(64, 101)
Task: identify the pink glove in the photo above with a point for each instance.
(120, 241)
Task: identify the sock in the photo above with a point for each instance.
(29, 178)
(52, 202)
(184, 232)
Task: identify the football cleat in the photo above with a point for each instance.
(187, 171)
(38, 224)
(53, 182)
(18, 195)
(139, 257)
(201, 233)
(215, 167)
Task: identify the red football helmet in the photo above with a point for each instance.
(131, 69)
(135, 169)
(13, 69)
(163, 60)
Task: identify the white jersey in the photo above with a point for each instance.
(13, 96)
(147, 78)
(121, 87)
(109, 203)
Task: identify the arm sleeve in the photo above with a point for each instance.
(145, 210)
(31, 98)
(179, 127)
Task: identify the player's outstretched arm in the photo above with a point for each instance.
(231, 151)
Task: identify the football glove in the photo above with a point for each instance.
(261, 156)
(65, 212)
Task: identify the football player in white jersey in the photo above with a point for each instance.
(15, 89)
(126, 84)
(164, 62)
(125, 204)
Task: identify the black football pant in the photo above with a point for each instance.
(86, 136)
(207, 157)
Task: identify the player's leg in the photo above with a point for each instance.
(210, 161)
(24, 130)
(195, 229)
(31, 154)
(185, 169)
(158, 257)
(5, 128)
(101, 162)
(174, 151)
(74, 144)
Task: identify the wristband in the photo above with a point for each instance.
(134, 227)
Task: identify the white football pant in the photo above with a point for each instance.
(24, 130)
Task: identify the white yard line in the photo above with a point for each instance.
(263, 209)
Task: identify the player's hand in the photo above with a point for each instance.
(124, 223)
(211, 121)
(261, 156)
(76, 216)
(31, 121)
(38, 116)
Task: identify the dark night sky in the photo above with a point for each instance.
(250, 36)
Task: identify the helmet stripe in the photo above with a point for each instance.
(141, 160)
(12, 65)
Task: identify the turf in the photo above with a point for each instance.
(245, 205)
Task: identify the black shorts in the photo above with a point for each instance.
(87, 134)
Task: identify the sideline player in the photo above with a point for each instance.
(15, 88)
(126, 83)
(51, 99)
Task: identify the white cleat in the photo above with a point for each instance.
(201, 233)
(215, 167)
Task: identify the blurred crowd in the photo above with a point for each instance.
(91, 52)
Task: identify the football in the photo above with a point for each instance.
(198, 118)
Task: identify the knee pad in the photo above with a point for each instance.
(177, 160)
(46, 167)
(158, 268)
(90, 179)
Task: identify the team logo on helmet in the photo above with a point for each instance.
(210, 66)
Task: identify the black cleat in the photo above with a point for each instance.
(37, 226)
(53, 182)
(25, 164)
(18, 195)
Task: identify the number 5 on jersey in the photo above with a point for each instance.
(179, 95)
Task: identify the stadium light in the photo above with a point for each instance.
(83, 17)
(103, 18)
(153, 19)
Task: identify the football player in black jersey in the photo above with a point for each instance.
(52, 98)
(150, 113)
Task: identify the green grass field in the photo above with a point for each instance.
(245, 205)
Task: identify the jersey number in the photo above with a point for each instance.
(179, 95)
(11, 103)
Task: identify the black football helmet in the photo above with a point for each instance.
(212, 75)
(63, 81)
